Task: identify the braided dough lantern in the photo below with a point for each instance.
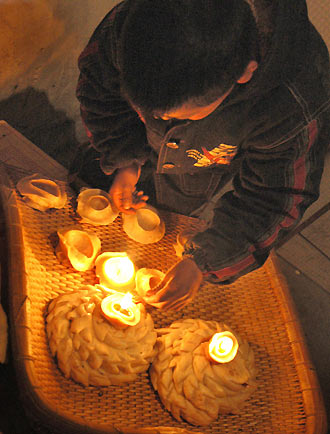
(88, 348)
(42, 193)
(77, 248)
(145, 226)
(94, 206)
(193, 386)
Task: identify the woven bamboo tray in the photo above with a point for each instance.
(258, 306)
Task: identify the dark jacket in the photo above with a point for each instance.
(271, 134)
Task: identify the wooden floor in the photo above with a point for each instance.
(304, 260)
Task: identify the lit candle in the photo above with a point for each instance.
(223, 347)
(120, 310)
(115, 271)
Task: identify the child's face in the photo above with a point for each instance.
(193, 112)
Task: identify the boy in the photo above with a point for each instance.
(204, 91)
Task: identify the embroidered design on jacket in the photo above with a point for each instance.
(222, 154)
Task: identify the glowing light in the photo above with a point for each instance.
(119, 270)
(115, 271)
(223, 347)
(120, 310)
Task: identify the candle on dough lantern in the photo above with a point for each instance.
(223, 347)
(115, 271)
(120, 310)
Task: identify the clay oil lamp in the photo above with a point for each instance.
(94, 206)
(145, 226)
(77, 248)
(115, 271)
(202, 368)
(42, 193)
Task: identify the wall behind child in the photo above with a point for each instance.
(40, 41)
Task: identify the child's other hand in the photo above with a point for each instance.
(178, 288)
(123, 192)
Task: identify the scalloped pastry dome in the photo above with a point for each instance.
(88, 348)
(192, 386)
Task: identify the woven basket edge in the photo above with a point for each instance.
(316, 418)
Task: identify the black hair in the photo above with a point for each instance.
(174, 51)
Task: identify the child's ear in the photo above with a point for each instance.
(248, 73)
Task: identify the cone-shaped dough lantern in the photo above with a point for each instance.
(202, 368)
(89, 348)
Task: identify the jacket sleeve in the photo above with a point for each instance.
(271, 192)
(112, 125)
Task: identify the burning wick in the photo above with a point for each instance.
(120, 310)
(223, 347)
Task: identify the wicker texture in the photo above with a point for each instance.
(257, 306)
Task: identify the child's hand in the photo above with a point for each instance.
(178, 288)
(123, 192)
(181, 239)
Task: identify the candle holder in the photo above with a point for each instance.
(89, 348)
(202, 368)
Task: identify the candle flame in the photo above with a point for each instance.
(120, 309)
(223, 347)
(126, 301)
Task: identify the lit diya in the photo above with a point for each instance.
(202, 368)
(223, 347)
(115, 270)
(87, 345)
(120, 310)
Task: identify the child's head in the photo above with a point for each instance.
(179, 51)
